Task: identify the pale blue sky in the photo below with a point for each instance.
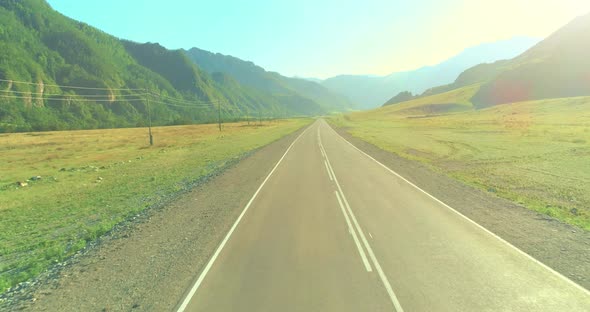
(323, 38)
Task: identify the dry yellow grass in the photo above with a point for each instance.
(92, 180)
(534, 153)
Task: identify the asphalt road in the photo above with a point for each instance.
(331, 229)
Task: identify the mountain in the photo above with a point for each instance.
(57, 73)
(403, 96)
(316, 80)
(373, 91)
(285, 89)
(556, 67)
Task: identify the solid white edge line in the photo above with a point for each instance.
(586, 291)
(394, 300)
(190, 295)
(354, 237)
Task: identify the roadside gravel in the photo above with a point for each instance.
(564, 248)
(148, 263)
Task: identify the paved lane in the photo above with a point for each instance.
(333, 230)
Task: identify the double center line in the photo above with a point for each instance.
(348, 216)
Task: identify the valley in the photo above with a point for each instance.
(162, 176)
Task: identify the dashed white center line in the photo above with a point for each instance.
(342, 199)
(328, 169)
(354, 237)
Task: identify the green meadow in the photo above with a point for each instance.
(534, 153)
(92, 180)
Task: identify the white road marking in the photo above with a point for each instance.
(586, 291)
(354, 237)
(193, 290)
(370, 235)
(396, 304)
(319, 140)
(328, 169)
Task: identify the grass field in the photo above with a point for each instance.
(92, 180)
(533, 153)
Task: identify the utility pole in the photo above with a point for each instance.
(259, 117)
(219, 114)
(149, 119)
(248, 115)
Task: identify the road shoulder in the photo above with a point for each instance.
(562, 247)
(149, 264)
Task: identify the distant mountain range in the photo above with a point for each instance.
(556, 67)
(46, 57)
(373, 91)
(256, 77)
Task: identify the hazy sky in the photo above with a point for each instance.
(323, 38)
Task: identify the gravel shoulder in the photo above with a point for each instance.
(562, 247)
(148, 265)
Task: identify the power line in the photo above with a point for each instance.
(136, 97)
(67, 99)
(183, 101)
(70, 87)
(185, 106)
(86, 96)
(187, 103)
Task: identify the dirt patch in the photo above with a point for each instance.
(432, 109)
(419, 154)
(148, 264)
(562, 247)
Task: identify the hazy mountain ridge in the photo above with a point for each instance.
(371, 91)
(256, 77)
(556, 67)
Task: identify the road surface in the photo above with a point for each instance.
(331, 229)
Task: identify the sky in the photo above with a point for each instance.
(325, 38)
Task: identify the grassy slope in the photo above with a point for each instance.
(109, 176)
(452, 101)
(534, 153)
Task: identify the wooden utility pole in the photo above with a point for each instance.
(149, 119)
(219, 114)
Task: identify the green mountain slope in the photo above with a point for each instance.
(44, 51)
(40, 45)
(556, 67)
(285, 89)
(174, 67)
